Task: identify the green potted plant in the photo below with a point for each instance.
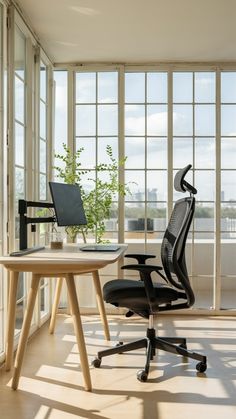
(98, 201)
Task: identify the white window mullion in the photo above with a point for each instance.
(145, 167)
(121, 150)
(192, 273)
(170, 146)
(217, 232)
(71, 110)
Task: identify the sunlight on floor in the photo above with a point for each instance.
(51, 385)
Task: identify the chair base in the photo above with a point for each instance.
(151, 342)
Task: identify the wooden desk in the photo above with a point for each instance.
(54, 263)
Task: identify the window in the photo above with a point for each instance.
(146, 133)
(19, 151)
(29, 146)
(194, 131)
(43, 132)
(61, 112)
(2, 329)
(43, 162)
(163, 119)
(96, 126)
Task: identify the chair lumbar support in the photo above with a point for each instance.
(146, 298)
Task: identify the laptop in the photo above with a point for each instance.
(99, 248)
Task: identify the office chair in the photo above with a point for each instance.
(146, 297)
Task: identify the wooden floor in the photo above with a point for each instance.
(51, 382)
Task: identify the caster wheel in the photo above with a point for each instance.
(183, 345)
(96, 362)
(201, 367)
(117, 346)
(142, 376)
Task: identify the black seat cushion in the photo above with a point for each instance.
(131, 294)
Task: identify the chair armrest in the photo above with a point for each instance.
(142, 268)
(140, 257)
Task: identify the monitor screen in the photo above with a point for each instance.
(68, 204)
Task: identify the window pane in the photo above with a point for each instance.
(43, 188)
(43, 85)
(182, 87)
(204, 87)
(228, 220)
(102, 154)
(134, 87)
(228, 153)
(156, 153)
(42, 120)
(108, 87)
(88, 155)
(19, 53)
(19, 315)
(61, 126)
(85, 120)
(228, 120)
(19, 145)
(205, 153)
(19, 100)
(20, 287)
(44, 300)
(182, 119)
(228, 87)
(204, 217)
(112, 223)
(88, 184)
(228, 182)
(135, 152)
(134, 120)
(19, 183)
(85, 87)
(156, 185)
(157, 120)
(204, 120)
(136, 184)
(134, 216)
(43, 156)
(157, 87)
(205, 189)
(107, 120)
(182, 152)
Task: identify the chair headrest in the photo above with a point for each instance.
(180, 184)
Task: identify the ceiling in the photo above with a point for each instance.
(134, 31)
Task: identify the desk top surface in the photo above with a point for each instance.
(69, 255)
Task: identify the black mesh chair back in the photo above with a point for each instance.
(173, 247)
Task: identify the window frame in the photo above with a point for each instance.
(170, 68)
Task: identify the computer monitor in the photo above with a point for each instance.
(68, 204)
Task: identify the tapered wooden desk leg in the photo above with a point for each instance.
(25, 329)
(100, 303)
(78, 331)
(11, 318)
(55, 305)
